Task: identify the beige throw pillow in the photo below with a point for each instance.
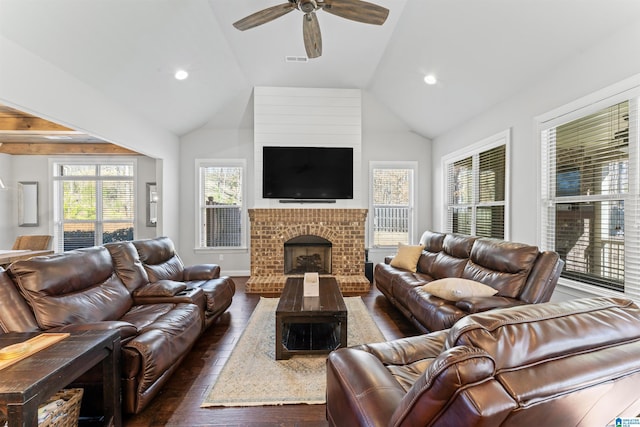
(407, 257)
(455, 289)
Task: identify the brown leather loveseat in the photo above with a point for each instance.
(518, 273)
(574, 363)
(100, 288)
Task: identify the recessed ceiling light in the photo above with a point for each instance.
(430, 79)
(181, 75)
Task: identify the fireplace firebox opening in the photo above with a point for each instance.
(307, 254)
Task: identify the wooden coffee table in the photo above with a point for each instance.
(310, 325)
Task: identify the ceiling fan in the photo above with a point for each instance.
(356, 10)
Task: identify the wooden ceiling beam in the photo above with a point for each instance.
(44, 149)
(30, 124)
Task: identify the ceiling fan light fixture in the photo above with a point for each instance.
(355, 10)
(430, 79)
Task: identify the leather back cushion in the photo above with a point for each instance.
(128, 265)
(78, 286)
(537, 332)
(502, 265)
(458, 245)
(444, 255)
(432, 241)
(160, 259)
(15, 316)
(583, 354)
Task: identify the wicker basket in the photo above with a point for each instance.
(67, 413)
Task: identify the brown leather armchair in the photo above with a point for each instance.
(575, 363)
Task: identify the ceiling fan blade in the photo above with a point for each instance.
(312, 36)
(356, 10)
(264, 16)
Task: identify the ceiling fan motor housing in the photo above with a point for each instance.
(307, 6)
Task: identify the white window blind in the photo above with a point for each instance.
(476, 184)
(221, 209)
(94, 203)
(392, 204)
(590, 195)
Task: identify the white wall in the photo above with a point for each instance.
(606, 63)
(311, 117)
(208, 143)
(7, 202)
(35, 86)
(384, 137)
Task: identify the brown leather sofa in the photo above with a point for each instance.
(156, 264)
(159, 319)
(575, 363)
(520, 273)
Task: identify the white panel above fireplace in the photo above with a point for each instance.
(308, 117)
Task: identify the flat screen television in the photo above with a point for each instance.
(307, 173)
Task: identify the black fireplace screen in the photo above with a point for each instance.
(307, 254)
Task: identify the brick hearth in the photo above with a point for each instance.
(271, 228)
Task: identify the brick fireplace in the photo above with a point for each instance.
(271, 228)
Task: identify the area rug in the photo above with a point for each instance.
(252, 376)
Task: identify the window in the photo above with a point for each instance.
(94, 202)
(220, 204)
(590, 193)
(392, 196)
(476, 189)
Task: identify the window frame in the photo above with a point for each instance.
(413, 191)
(57, 205)
(199, 205)
(627, 90)
(474, 150)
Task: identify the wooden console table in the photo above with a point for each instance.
(28, 383)
(9, 256)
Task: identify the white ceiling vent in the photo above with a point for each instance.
(296, 59)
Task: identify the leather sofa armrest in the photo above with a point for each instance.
(201, 272)
(403, 351)
(161, 288)
(360, 389)
(479, 304)
(126, 329)
(194, 296)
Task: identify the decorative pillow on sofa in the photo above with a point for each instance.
(455, 289)
(407, 257)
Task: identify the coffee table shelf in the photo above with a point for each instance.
(310, 325)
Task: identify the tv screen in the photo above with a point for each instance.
(318, 173)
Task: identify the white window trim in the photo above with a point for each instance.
(493, 141)
(614, 94)
(242, 163)
(413, 211)
(87, 160)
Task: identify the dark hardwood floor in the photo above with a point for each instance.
(178, 403)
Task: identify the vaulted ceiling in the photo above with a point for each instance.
(482, 51)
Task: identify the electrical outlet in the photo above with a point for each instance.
(221, 257)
